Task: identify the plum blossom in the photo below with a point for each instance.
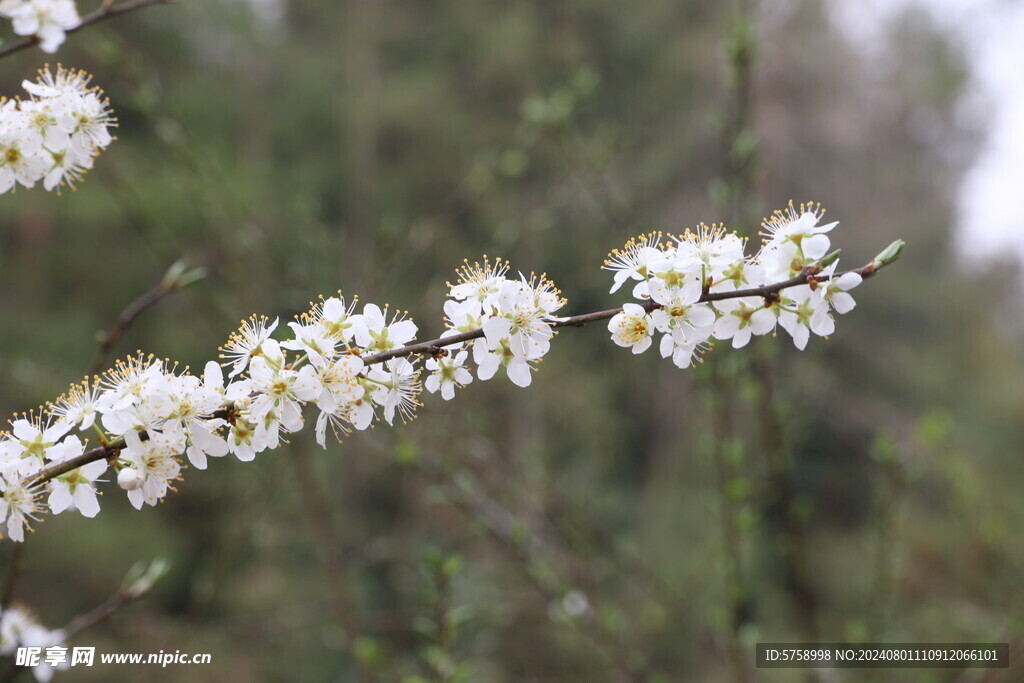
(448, 373)
(149, 414)
(396, 388)
(55, 135)
(374, 333)
(247, 342)
(632, 328)
(48, 20)
(155, 460)
(632, 261)
(76, 489)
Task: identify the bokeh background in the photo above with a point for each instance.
(620, 520)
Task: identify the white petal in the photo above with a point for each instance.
(86, 502)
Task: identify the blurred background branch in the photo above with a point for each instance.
(178, 277)
(107, 10)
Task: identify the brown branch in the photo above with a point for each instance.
(106, 11)
(111, 451)
(128, 593)
(171, 283)
(101, 612)
(434, 345)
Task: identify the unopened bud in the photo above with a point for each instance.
(889, 254)
(129, 479)
(830, 259)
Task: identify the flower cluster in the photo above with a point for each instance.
(684, 282)
(515, 315)
(47, 20)
(55, 135)
(159, 415)
(18, 628)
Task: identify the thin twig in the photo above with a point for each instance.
(101, 612)
(159, 291)
(106, 11)
(529, 551)
(112, 450)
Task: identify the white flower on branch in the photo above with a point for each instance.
(339, 381)
(479, 282)
(515, 317)
(246, 439)
(155, 459)
(448, 373)
(246, 342)
(800, 313)
(709, 265)
(37, 439)
(633, 260)
(55, 135)
(462, 316)
(280, 391)
(46, 19)
(185, 404)
(396, 388)
(374, 333)
(632, 328)
(18, 504)
(152, 415)
(77, 406)
(710, 246)
(836, 290)
(76, 489)
(739, 319)
(794, 240)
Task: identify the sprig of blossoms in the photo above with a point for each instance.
(47, 20)
(357, 365)
(55, 135)
(676, 281)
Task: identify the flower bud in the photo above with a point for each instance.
(890, 254)
(129, 479)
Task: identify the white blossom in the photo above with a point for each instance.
(55, 135)
(793, 240)
(396, 388)
(280, 391)
(741, 318)
(479, 282)
(375, 334)
(46, 19)
(447, 373)
(633, 260)
(155, 459)
(246, 342)
(76, 489)
(18, 504)
(632, 328)
(836, 289)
